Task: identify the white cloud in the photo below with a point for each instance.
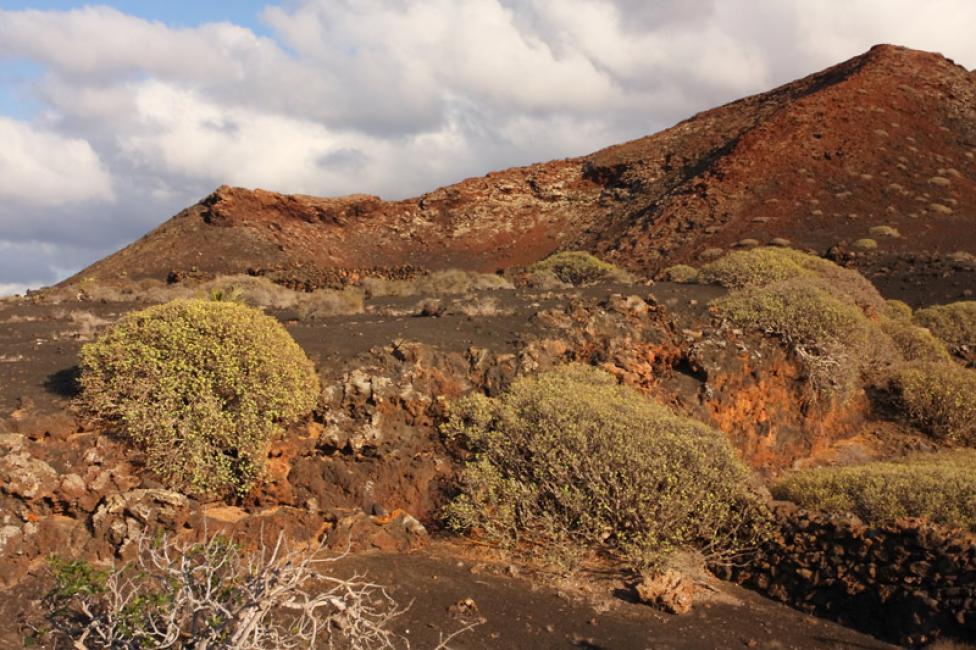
(392, 97)
(11, 289)
(42, 168)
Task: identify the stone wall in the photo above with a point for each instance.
(909, 582)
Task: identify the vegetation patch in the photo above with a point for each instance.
(865, 244)
(939, 398)
(572, 459)
(752, 268)
(680, 273)
(939, 487)
(884, 231)
(913, 342)
(954, 323)
(579, 267)
(763, 266)
(202, 386)
(896, 310)
(215, 594)
(450, 281)
(830, 336)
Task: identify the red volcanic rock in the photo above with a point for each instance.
(885, 139)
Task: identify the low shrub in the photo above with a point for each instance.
(579, 267)
(680, 273)
(202, 386)
(939, 487)
(915, 343)
(939, 398)
(762, 266)
(322, 303)
(865, 244)
(896, 310)
(954, 323)
(830, 336)
(451, 281)
(800, 311)
(752, 268)
(572, 459)
(544, 280)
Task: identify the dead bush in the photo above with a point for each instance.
(215, 594)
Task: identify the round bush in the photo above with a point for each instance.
(915, 343)
(939, 398)
(954, 323)
(571, 458)
(201, 386)
(680, 274)
(762, 266)
(752, 268)
(579, 267)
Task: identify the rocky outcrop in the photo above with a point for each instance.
(910, 582)
(124, 518)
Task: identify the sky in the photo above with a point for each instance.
(115, 116)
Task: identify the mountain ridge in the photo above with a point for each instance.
(885, 139)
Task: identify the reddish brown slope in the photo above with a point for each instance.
(887, 138)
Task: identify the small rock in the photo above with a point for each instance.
(412, 526)
(669, 590)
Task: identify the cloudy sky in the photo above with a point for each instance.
(115, 116)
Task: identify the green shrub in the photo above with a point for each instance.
(752, 268)
(954, 323)
(579, 267)
(865, 244)
(800, 311)
(939, 487)
(680, 273)
(762, 266)
(831, 337)
(896, 310)
(201, 386)
(571, 458)
(939, 398)
(915, 343)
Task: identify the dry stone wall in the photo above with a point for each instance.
(909, 582)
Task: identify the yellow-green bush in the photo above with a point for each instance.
(939, 487)
(202, 386)
(570, 457)
(762, 266)
(831, 336)
(579, 267)
(752, 268)
(800, 311)
(680, 273)
(866, 244)
(939, 398)
(896, 310)
(954, 323)
(915, 343)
